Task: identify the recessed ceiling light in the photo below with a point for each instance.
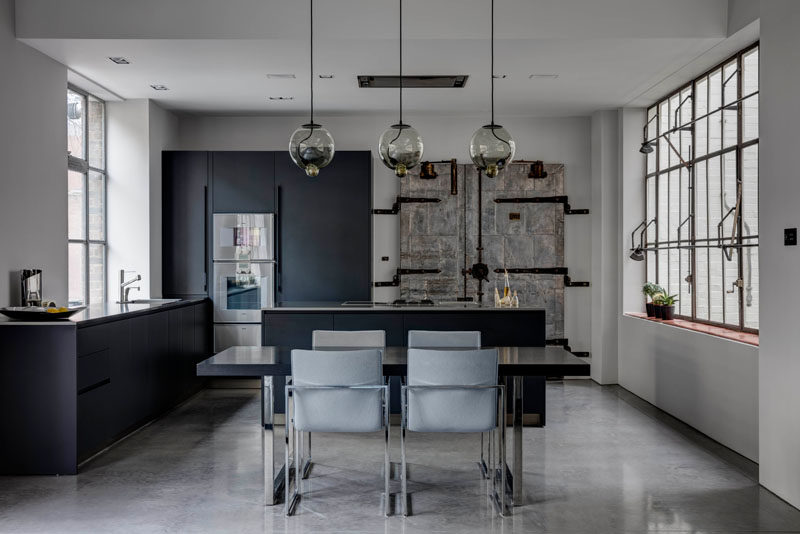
(326, 76)
(119, 60)
(281, 98)
(543, 76)
(287, 76)
(159, 87)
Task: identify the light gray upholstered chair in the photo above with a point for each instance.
(443, 338)
(334, 391)
(455, 391)
(342, 339)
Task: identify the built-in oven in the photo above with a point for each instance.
(242, 289)
(244, 236)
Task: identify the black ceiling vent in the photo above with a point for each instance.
(425, 82)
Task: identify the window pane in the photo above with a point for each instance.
(75, 115)
(651, 210)
(750, 191)
(732, 299)
(750, 287)
(76, 205)
(750, 66)
(750, 118)
(652, 132)
(701, 283)
(97, 273)
(97, 211)
(96, 133)
(663, 206)
(77, 273)
(701, 201)
(716, 289)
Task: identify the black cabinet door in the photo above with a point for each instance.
(324, 246)
(391, 323)
(243, 182)
(291, 330)
(184, 223)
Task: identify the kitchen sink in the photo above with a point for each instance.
(153, 301)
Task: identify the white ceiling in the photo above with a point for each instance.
(607, 53)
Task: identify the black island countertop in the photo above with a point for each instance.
(106, 312)
(355, 306)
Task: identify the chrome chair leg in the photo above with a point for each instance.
(403, 468)
(386, 464)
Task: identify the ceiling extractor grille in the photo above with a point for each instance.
(431, 81)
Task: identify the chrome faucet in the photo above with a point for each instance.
(123, 285)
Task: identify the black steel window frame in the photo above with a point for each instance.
(81, 165)
(691, 243)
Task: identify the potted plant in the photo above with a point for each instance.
(650, 290)
(668, 307)
(658, 299)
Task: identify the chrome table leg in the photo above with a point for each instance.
(516, 478)
(273, 483)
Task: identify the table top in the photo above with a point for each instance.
(276, 361)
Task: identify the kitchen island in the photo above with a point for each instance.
(70, 388)
(291, 324)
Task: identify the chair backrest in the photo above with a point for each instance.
(444, 338)
(337, 410)
(454, 410)
(348, 338)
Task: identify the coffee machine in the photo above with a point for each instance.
(31, 286)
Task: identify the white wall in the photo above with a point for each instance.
(605, 249)
(779, 363)
(138, 130)
(565, 140)
(128, 194)
(33, 173)
(707, 382)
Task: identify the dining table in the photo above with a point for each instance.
(267, 362)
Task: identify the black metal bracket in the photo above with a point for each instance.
(560, 199)
(569, 283)
(544, 270)
(400, 272)
(533, 270)
(564, 342)
(404, 200)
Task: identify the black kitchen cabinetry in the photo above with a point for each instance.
(73, 389)
(184, 223)
(243, 182)
(323, 234)
(324, 241)
(139, 367)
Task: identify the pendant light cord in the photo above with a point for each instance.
(401, 61)
(492, 74)
(311, 62)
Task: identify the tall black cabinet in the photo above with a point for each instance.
(324, 244)
(184, 223)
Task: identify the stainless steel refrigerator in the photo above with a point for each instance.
(244, 276)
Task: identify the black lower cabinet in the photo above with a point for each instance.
(133, 369)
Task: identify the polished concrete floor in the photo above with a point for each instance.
(606, 462)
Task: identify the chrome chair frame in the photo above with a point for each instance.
(498, 472)
(292, 499)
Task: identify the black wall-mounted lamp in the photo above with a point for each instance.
(647, 146)
(537, 170)
(637, 251)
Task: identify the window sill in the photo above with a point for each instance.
(717, 331)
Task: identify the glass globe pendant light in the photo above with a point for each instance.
(400, 146)
(311, 146)
(491, 147)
